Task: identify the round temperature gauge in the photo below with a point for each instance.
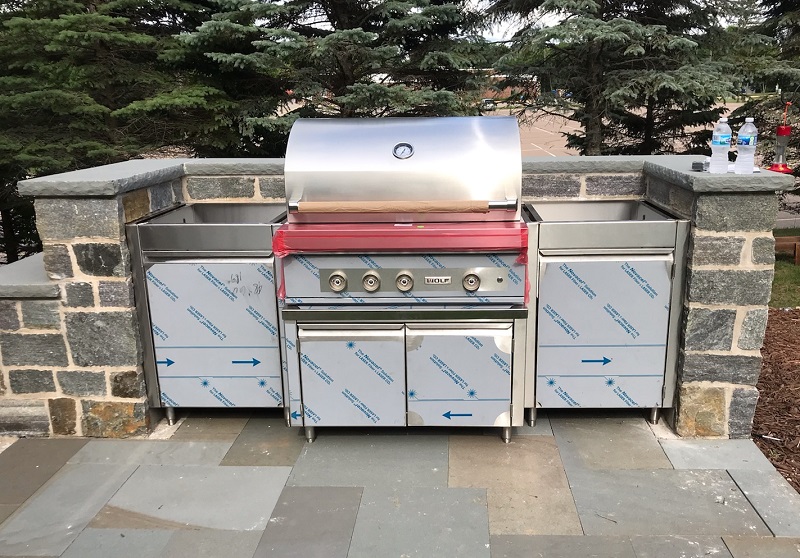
(403, 150)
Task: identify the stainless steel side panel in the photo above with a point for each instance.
(452, 159)
(215, 333)
(602, 330)
(143, 315)
(291, 371)
(353, 377)
(676, 312)
(459, 375)
(607, 235)
(529, 340)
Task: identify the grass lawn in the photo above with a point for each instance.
(786, 232)
(786, 285)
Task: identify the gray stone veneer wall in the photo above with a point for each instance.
(70, 356)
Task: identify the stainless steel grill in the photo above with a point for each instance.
(403, 273)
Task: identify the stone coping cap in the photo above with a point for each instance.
(678, 171)
(110, 180)
(26, 278)
(106, 180)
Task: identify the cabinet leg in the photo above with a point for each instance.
(170, 415)
(654, 415)
(506, 434)
(311, 434)
(531, 417)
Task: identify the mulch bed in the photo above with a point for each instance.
(776, 427)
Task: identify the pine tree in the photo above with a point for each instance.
(82, 83)
(278, 61)
(634, 75)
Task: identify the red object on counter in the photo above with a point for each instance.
(500, 236)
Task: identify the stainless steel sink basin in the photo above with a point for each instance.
(210, 227)
(221, 213)
(601, 225)
(583, 211)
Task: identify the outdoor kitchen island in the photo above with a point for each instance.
(84, 325)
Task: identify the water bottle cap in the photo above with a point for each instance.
(748, 119)
(723, 119)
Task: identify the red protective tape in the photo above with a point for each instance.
(296, 238)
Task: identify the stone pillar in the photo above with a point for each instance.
(729, 280)
(88, 365)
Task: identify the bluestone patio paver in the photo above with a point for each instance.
(541, 428)
(662, 502)
(146, 452)
(375, 460)
(105, 543)
(215, 427)
(560, 546)
(679, 546)
(29, 463)
(196, 495)
(527, 489)
(763, 547)
(5, 511)
(715, 454)
(49, 522)
(776, 501)
(311, 522)
(266, 441)
(616, 442)
(421, 521)
(211, 543)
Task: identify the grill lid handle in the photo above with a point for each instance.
(437, 206)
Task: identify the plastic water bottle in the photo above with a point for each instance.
(720, 146)
(746, 140)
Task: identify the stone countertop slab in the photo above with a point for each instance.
(106, 180)
(110, 180)
(678, 170)
(27, 278)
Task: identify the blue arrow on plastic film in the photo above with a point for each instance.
(604, 360)
(168, 362)
(295, 415)
(449, 414)
(252, 361)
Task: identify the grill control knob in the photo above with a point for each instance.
(337, 281)
(471, 282)
(404, 282)
(371, 281)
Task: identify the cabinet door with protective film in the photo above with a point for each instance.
(602, 330)
(215, 332)
(459, 374)
(352, 375)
